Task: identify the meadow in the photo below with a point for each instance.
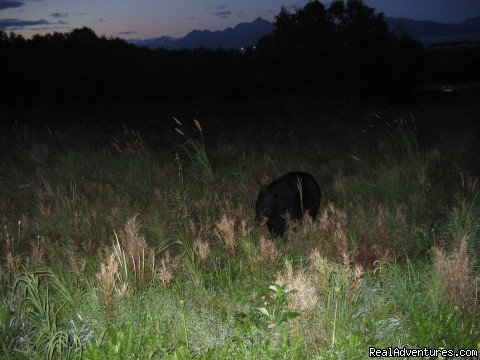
(138, 244)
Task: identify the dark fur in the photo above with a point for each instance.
(282, 196)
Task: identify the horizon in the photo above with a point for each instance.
(147, 19)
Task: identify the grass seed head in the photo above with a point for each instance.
(167, 270)
(197, 125)
(456, 273)
(132, 241)
(305, 297)
(225, 231)
(268, 251)
(202, 251)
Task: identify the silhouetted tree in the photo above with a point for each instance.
(345, 48)
(302, 42)
(366, 43)
(79, 66)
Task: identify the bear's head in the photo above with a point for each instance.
(264, 207)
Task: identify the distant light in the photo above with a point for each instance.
(447, 89)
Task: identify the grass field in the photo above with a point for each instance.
(113, 248)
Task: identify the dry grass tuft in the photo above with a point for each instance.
(136, 250)
(304, 298)
(333, 230)
(268, 251)
(202, 251)
(112, 287)
(133, 242)
(167, 270)
(238, 212)
(321, 270)
(291, 227)
(348, 273)
(133, 253)
(329, 233)
(225, 231)
(456, 273)
(200, 247)
(108, 275)
(355, 275)
(245, 230)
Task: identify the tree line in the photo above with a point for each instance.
(345, 48)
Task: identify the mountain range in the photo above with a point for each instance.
(244, 34)
(424, 28)
(247, 34)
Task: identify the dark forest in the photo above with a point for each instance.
(345, 49)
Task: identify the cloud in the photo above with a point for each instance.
(101, 20)
(127, 33)
(190, 18)
(8, 23)
(57, 15)
(217, 7)
(240, 13)
(8, 4)
(16, 24)
(222, 14)
(220, 7)
(52, 28)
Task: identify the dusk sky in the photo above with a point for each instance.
(150, 18)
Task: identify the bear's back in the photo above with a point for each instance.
(287, 187)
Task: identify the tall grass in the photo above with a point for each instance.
(400, 138)
(197, 154)
(42, 332)
(159, 256)
(463, 224)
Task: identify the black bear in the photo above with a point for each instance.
(294, 193)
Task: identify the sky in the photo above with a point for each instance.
(150, 18)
